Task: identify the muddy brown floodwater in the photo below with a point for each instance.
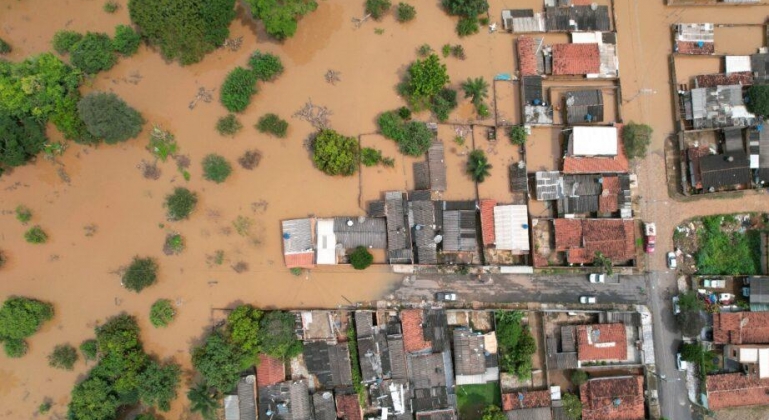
(103, 189)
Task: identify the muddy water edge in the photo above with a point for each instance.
(104, 188)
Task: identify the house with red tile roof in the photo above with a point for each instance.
(412, 321)
(269, 371)
(576, 59)
(741, 328)
(525, 400)
(527, 55)
(608, 201)
(487, 221)
(598, 164)
(613, 398)
(735, 390)
(348, 407)
(601, 342)
(580, 239)
(694, 38)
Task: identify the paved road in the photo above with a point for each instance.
(511, 288)
(673, 396)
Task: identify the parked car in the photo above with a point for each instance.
(672, 263)
(680, 363)
(676, 307)
(446, 296)
(724, 298)
(597, 278)
(587, 299)
(650, 231)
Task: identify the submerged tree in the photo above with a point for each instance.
(478, 165)
(280, 16)
(108, 117)
(335, 154)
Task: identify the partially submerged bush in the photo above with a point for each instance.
(15, 348)
(111, 6)
(413, 137)
(443, 103)
(23, 214)
(5, 48)
(93, 53)
(250, 159)
(36, 235)
(142, 273)
(265, 66)
(228, 125)
(370, 157)
(405, 12)
(272, 124)
(64, 40)
(361, 259)
(180, 203)
(280, 17)
(20, 318)
(636, 139)
(424, 79)
(108, 117)
(377, 8)
(174, 244)
(237, 89)
(216, 168)
(63, 356)
(335, 154)
(517, 134)
(162, 313)
(467, 26)
(126, 41)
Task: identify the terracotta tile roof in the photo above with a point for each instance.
(582, 238)
(723, 79)
(269, 371)
(601, 342)
(531, 399)
(691, 47)
(741, 328)
(607, 201)
(487, 221)
(300, 260)
(413, 334)
(600, 396)
(348, 407)
(736, 390)
(599, 165)
(576, 59)
(527, 56)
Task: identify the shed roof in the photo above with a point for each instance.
(584, 106)
(576, 59)
(593, 141)
(737, 63)
(549, 185)
(511, 226)
(398, 235)
(422, 219)
(469, 352)
(444, 414)
(759, 293)
(613, 398)
(428, 370)
(300, 401)
(519, 180)
(353, 232)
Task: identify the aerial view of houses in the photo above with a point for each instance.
(377, 209)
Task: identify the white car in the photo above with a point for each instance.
(676, 307)
(446, 296)
(672, 260)
(597, 278)
(586, 299)
(681, 364)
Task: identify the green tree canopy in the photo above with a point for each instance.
(183, 30)
(468, 8)
(23, 138)
(405, 12)
(636, 139)
(93, 53)
(758, 99)
(238, 88)
(64, 356)
(64, 40)
(141, 273)
(218, 361)
(93, 399)
(158, 384)
(126, 41)
(493, 412)
(517, 134)
(203, 401)
(266, 66)
(22, 317)
(377, 8)
(443, 103)
(572, 406)
(272, 124)
(243, 328)
(280, 16)
(579, 377)
(180, 203)
(279, 326)
(478, 165)
(216, 168)
(417, 139)
(162, 313)
(424, 79)
(361, 259)
(108, 117)
(335, 154)
(516, 344)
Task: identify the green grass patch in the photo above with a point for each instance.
(473, 399)
(727, 253)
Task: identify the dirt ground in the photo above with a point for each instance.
(103, 187)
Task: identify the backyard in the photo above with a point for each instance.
(473, 399)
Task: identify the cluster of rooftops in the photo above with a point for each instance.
(413, 362)
(739, 156)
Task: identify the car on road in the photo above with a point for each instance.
(650, 231)
(446, 296)
(676, 307)
(587, 299)
(597, 278)
(680, 363)
(671, 257)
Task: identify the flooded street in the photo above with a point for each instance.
(103, 189)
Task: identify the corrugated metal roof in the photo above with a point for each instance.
(353, 232)
(421, 176)
(511, 227)
(398, 235)
(549, 185)
(300, 402)
(437, 164)
(584, 106)
(323, 405)
(297, 235)
(459, 231)
(577, 18)
(247, 398)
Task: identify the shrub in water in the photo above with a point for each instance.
(237, 89)
(266, 66)
(216, 168)
(162, 313)
(180, 203)
(272, 124)
(228, 125)
(140, 274)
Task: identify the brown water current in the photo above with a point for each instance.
(103, 189)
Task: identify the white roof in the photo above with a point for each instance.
(326, 249)
(737, 63)
(763, 363)
(511, 227)
(594, 141)
(231, 407)
(586, 38)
